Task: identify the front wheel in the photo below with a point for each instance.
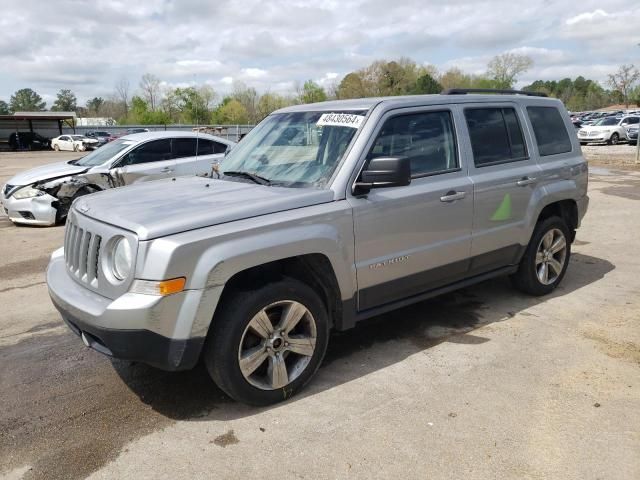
(546, 258)
(615, 138)
(265, 344)
(56, 147)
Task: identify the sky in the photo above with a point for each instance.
(87, 46)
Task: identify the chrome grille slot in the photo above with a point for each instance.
(82, 253)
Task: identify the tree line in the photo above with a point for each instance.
(153, 103)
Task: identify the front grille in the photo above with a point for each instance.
(82, 253)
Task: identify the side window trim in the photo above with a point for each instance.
(433, 109)
(501, 108)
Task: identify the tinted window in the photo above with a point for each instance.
(205, 147)
(633, 120)
(428, 140)
(219, 147)
(184, 147)
(150, 152)
(495, 134)
(551, 133)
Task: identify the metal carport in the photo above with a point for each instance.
(47, 124)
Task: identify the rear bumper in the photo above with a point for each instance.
(583, 205)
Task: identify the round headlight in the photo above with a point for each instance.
(122, 259)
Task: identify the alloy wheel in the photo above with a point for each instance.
(277, 345)
(551, 256)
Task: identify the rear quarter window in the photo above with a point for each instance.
(550, 131)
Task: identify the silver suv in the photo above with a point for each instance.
(324, 215)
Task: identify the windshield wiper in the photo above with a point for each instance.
(251, 176)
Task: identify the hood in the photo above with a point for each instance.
(164, 207)
(46, 172)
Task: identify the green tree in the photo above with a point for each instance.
(231, 112)
(140, 114)
(248, 97)
(504, 69)
(426, 84)
(194, 103)
(623, 81)
(4, 108)
(26, 100)
(269, 102)
(312, 92)
(65, 101)
(351, 87)
(95, 105)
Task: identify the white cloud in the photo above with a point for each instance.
(586, 17)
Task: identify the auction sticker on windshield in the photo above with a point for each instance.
(340, 120)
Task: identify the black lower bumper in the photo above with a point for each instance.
(139, 345)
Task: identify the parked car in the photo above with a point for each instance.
(610, 130)
(382, 203)
(101, 136)
(73, 143)
(632, 135)
(136, 130)
(28, 141)
(42, 196)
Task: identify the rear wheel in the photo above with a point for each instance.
(266, 344)
(546, 258)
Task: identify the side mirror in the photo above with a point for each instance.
(384, 172)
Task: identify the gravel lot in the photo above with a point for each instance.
(482, 383)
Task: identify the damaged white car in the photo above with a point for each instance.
(43, 195)
(75, 143)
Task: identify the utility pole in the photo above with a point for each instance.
(638, 142)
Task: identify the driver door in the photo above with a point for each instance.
(150, 161)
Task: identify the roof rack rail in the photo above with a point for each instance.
(464, 91)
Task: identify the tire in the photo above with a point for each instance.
(56, 147)
(75, 147)
(231, 337)
(530, 276)
(615, 138)
(64, 205)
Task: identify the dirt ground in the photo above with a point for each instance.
(482, 383)
(621, 156)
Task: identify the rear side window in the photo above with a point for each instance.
(207, 147)
(427, 138)
(549, 128)
(183, 147)
(496, 135)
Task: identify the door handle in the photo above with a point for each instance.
(524, 181)
(166, 170)
(452, 196)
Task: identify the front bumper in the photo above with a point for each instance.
(595, 139)
(30, 211)
(131, 327)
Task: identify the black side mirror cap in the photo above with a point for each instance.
(384, 172)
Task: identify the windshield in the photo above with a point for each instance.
(608, 121)
(104, 154)
(299, 149)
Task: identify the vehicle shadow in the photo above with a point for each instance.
(355, 353)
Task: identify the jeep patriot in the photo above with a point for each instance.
(324, 215)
